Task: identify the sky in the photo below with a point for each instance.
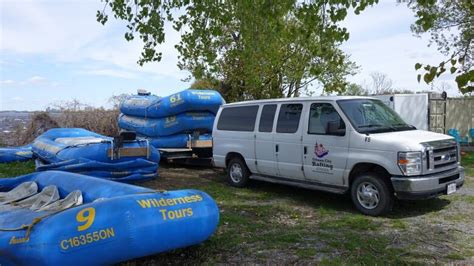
(53, 51)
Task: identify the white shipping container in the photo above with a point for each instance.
(413, 108)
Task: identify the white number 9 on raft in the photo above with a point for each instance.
(85, 218)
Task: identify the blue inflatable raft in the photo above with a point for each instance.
(60, 218)
(16, 154)
(82, 151)
(184, 101)
(161, 127)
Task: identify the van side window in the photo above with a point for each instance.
(289, 118)
(240, 118)
(322, 116)
(266, 118)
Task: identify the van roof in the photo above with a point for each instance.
(300, 99)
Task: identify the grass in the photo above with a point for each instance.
(268, 223)
(399, 224)
(455, 256)
(16, 168)
(468, 163)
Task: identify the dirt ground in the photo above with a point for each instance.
(268, 223)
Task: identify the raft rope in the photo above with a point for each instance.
(29, 227)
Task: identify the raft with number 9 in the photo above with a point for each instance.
(60, 218)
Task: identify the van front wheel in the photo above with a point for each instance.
(371, 195)
(237, 172)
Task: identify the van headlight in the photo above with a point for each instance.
(410, 162)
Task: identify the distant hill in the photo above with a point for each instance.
(15, 113)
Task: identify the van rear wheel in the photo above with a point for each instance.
(371, 195)
(237, 172)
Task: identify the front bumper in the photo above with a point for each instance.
(427, 186)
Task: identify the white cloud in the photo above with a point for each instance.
(395, 56)
(69, 33)
(7, 82)
(17, 99)
(111, 73)
(115, 51)
(35, 80)
(32, 81)
(47, 27)
(381, 41)
(379, 19)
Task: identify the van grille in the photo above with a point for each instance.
(441, 155)
(445, 157)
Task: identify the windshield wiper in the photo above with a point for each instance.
(370, 125)
(403, 125)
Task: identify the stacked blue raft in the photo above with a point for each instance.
(60, 218)
(81, 151)
(170, 121)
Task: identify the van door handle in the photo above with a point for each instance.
(276, 147)
(305, 150)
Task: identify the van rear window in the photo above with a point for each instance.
(289, 118)
(240, 118)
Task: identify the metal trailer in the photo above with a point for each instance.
(197, 153)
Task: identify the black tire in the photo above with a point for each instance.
(367, 203)
(233, 177)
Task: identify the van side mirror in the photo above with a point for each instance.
(336, 128)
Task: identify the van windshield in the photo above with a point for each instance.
(372, 116)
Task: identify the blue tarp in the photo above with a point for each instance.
(82, 151)
(184, 101)
(115, 222)
(15, 154)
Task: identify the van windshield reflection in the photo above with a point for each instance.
(372, 116)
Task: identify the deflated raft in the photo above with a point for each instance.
(60, 218)
(161, 127)
(82, 151)
(184, 101)
(16, 154)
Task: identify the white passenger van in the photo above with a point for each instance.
(336, 144)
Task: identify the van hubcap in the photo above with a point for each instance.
(368, 195)
(236, 173)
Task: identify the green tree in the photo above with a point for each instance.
(203, 84)
(353, 89)
(255, 49)
(450, 24)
